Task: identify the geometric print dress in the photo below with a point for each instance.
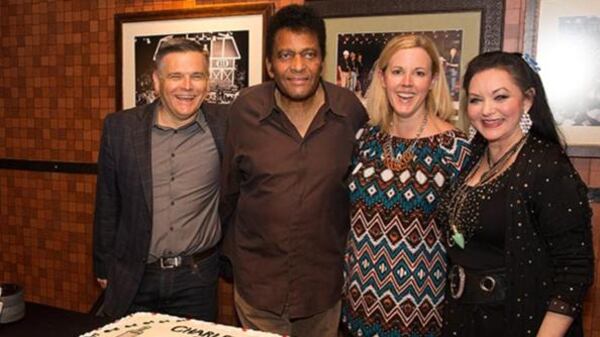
(395, 262)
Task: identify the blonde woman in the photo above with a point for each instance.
(406, 155)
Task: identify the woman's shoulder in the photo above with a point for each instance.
(545, 161)
(453, 147)
(452, 140)
(541, 151)
(368, 131)
(436, 126)
(446, 133)
(547, 175)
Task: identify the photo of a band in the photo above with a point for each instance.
(357, 52)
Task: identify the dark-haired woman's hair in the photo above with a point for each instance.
(525, 78)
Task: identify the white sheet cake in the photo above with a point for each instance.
(143, 324)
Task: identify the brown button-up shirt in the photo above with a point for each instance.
(286, 200)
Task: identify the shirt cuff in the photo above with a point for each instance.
(561, 307)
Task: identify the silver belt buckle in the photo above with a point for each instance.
(457, 281)
(170, 262)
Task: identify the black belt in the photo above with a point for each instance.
(476, 287)
(179, 261)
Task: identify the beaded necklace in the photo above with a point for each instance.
(400, 163)
(458, 198)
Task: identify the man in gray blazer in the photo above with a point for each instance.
(156, 224)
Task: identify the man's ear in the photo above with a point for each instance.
(269, 66)
(156, 81)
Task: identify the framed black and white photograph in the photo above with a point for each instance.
(232, 35)
(356, 54)
(461, 30)
(564, 36)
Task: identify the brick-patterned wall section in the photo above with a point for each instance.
(46, 237)
(589, 169)
(514, 23)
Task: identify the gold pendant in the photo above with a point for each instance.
(399, 164)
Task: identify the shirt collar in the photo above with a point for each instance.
(331, 101)
(200, 120)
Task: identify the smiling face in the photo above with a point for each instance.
(296, 64)
(407, 80)
(494, 106)
(182, 84)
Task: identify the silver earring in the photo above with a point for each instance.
(525, 123)
(472, 132)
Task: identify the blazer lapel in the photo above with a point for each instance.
(142, 147)
(215, 123)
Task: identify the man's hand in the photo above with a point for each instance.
(102, 282)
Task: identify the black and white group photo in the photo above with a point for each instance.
(357, 52)
(228, 53)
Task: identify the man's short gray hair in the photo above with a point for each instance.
(177, 45)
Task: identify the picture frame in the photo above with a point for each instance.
(233, 34)
(564, 37)
(477, 23)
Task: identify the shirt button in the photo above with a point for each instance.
(172, 178)
(172, 203)
(172, 155)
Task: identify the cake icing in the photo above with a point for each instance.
(144, 324)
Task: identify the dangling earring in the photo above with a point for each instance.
(525, 122)
(472, 132)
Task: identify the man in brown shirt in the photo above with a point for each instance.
(286, 158)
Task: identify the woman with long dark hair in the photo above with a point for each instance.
(518, 222)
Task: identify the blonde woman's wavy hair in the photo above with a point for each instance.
(438, 100)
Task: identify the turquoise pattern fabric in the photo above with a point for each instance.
(395, 262)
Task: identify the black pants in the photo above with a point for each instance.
(186, 291)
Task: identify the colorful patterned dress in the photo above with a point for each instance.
(395, 259)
